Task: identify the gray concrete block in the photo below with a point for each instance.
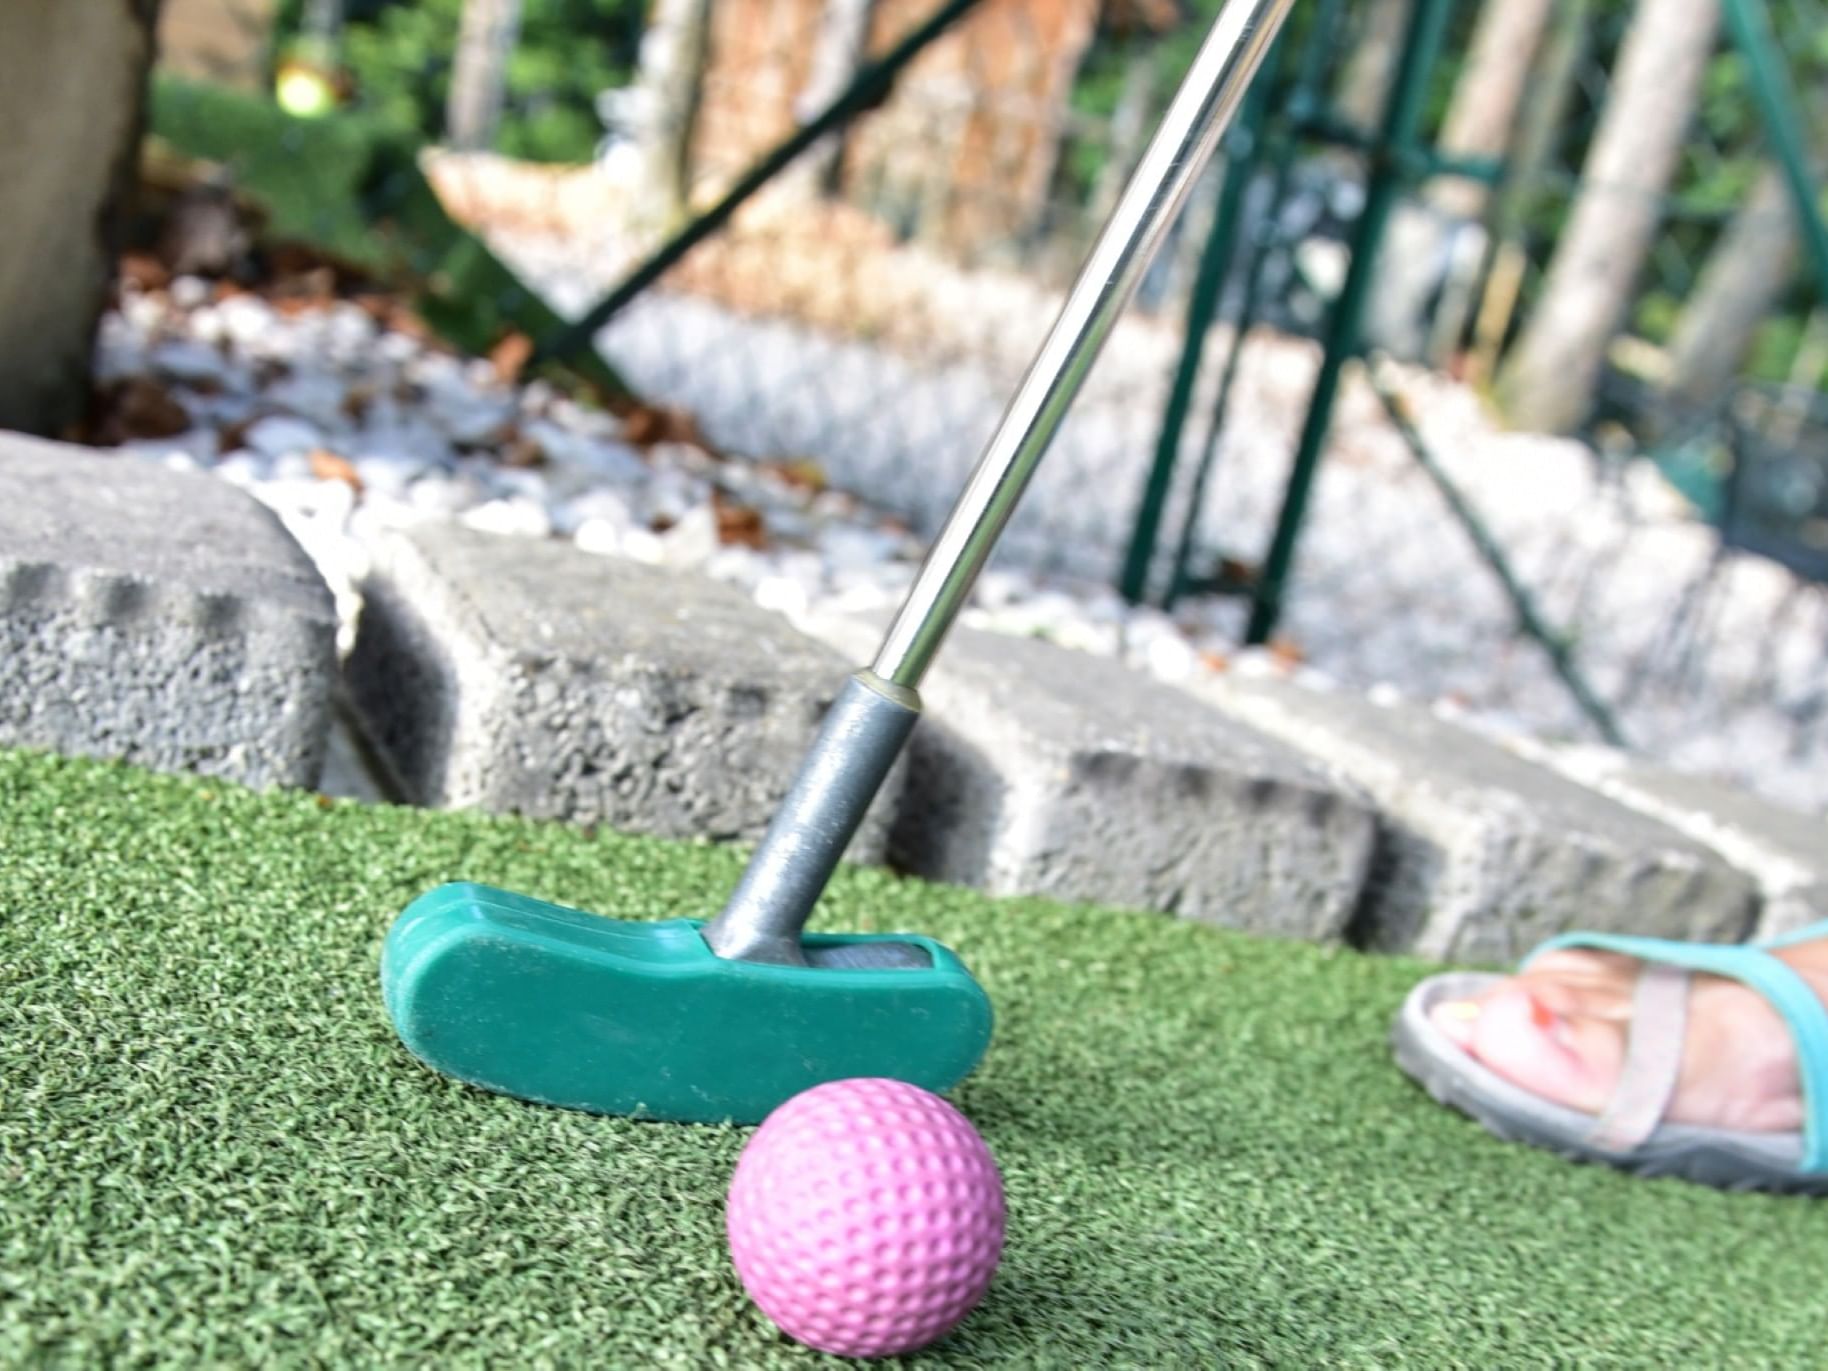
(157, 616)
(1784, 851)
(524, 676)
(1039, 770)
(1485, 853)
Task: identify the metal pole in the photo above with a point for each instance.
(1422, 43)
(1278, 148)
(1243, 154)
(1522, 604)
(1749, 21)
(1190, 130)
(871, 87)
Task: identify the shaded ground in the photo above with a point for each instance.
(213, 1149)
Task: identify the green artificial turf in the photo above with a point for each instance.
(213, 1151)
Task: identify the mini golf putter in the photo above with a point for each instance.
(686, 1021)
(722, 1021)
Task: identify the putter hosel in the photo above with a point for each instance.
(858, 742)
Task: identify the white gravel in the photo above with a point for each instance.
(345, 428)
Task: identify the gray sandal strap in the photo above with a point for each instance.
(1653, 1059)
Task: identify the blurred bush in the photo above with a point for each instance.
(397, 57)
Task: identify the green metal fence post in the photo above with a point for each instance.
(1278, 148)
(1749, 22)
(1402, 115)
(1243, 155)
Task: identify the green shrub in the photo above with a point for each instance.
(398, 55)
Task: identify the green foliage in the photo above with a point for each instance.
(350, 186)
(309, 176)
(399, 57)
(1098, 89)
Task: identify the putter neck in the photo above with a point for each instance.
(859, 740)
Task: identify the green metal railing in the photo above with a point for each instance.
(1397, 161)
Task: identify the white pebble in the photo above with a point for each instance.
(278, 435)
(642, 546)
(244, 468)
(601, 506)
(514, 516)
(187, 292)
(442, 494)
(851, 548)
(521, 482)
(312, 395)
(387, 475)
(601, 536)
(1172, 658)
(692, 541)
(782, 594)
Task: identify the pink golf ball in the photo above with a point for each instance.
(866, 1217)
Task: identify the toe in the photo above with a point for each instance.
(1567, 1058)
(1455, 1019)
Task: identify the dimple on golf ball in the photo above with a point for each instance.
(866, 1217)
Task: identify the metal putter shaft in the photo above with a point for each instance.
(875, 712)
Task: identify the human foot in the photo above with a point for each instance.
(1560, 1030)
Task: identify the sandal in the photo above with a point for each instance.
(1631, 1134)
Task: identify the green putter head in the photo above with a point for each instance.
(616, 1016)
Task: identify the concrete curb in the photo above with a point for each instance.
(157, 616)
(1486, 854)
(523, 676)
(1042, 771)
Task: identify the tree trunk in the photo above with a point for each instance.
(1366, 82)
(673, 53)
(1737, 289)
(1548, 382)
(72, 96)
(1438, 244)
(838, 51)
(1552, 84)
(1486, 98)
(320, 26)
(479, 77)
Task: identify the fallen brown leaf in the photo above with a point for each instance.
(800, 472)
(137, 407)
(144, 270)
(645, 425)
(738, 525)
(357, 401)
(1287, 651)
(510, 356)
(517, 449)
(1234, 572)
(328, 466)
(234, 435)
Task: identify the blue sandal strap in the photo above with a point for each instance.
(1796, 935)
(1788, 993)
